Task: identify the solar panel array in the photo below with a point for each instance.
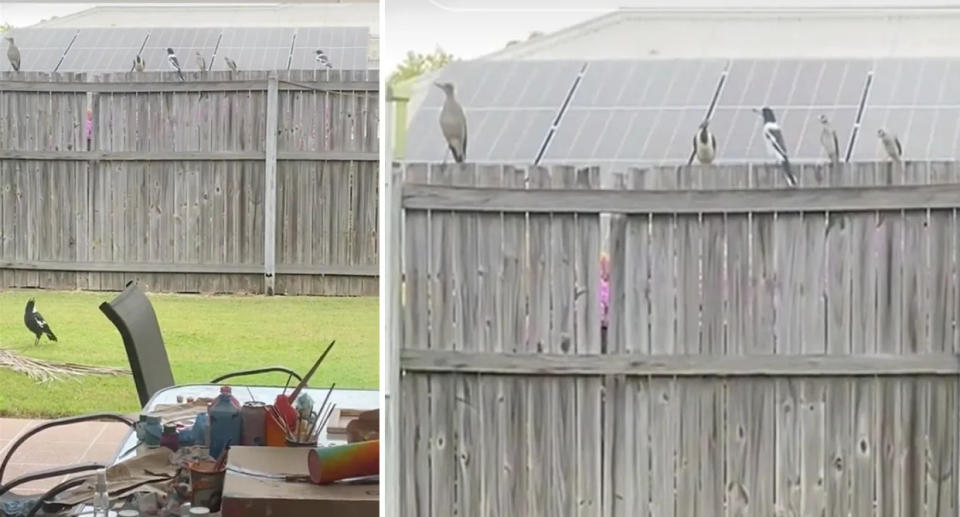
(253, 48)
(646, 112)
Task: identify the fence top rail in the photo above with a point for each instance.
(186, 86)
(472, 199)
(819, 365)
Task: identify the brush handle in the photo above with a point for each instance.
(306, 378)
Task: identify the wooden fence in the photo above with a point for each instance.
(771, 351)
(243, 182)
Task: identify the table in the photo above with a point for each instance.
(343, 398)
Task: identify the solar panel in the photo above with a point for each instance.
(345, 47)
(255, 48)
(97, 50)
(509, 107)
(637, 112)
(40, 50)
(185, 42)
(919, 101)
(798, 91)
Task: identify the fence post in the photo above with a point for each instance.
(270, 190)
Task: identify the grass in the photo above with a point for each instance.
(205, 336)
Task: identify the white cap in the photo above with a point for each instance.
(128, 513)
(199, 510)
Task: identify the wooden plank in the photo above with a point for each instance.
(270, 190)
(129, 87)
(749, 447)
(664, 433)
(815, 365)
(540, 397)
(422, 197)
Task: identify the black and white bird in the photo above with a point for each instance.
(13, 54)
(174, 62)
(453, 123)
(705, 144)
(776, 147)
(139, 64)
(829, 141)
(891, 144)
(322, 60)
(35, 322)
(201, 63)
(230, 63)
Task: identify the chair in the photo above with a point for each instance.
(133, 315)
(35, 503)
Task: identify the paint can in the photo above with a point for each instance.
(206, 484)
(254, 416)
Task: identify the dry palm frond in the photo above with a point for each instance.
(45, 371)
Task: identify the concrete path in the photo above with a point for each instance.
(86, 442)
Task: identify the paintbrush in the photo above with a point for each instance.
(222, 459)
(306, 378)
(283, 405)
(323, 423)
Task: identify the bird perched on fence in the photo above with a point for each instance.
(139, 64)
(322, 60)
(230, 63)
(174, 62)
(891, 144)
(35, 322)
(829, 141)
(773, 137)
(705, 144)
(453, 123)
(13, 54)
(202, 63)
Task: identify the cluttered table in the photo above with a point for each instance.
(343, 398)
(258, 479)
(242, 451)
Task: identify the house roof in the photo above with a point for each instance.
(740, 33)
(365, 13)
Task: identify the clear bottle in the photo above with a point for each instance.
(101, 498)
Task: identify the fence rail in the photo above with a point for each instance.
(224, 182)
(770, 351)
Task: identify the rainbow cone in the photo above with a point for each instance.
(329, 464)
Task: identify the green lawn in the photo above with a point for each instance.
(205, 336)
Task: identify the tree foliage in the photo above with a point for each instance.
(417, 64)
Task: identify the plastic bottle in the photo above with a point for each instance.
(225, 421)
(201, 430)
(101, 499)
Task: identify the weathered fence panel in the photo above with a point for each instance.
(165, 182)
(758, 362)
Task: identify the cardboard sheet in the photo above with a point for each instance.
(256, 485)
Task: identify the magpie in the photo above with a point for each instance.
(705, 144)
(174, 62)
(453, 123)
(231, 63)
(775, 145)
(139, 64)
(13, 54)
(829, 141)
(891, 144)
(35, 323)
(202, 63)
(322, 60)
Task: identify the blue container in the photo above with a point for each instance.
(225, 421)
(200, 429)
